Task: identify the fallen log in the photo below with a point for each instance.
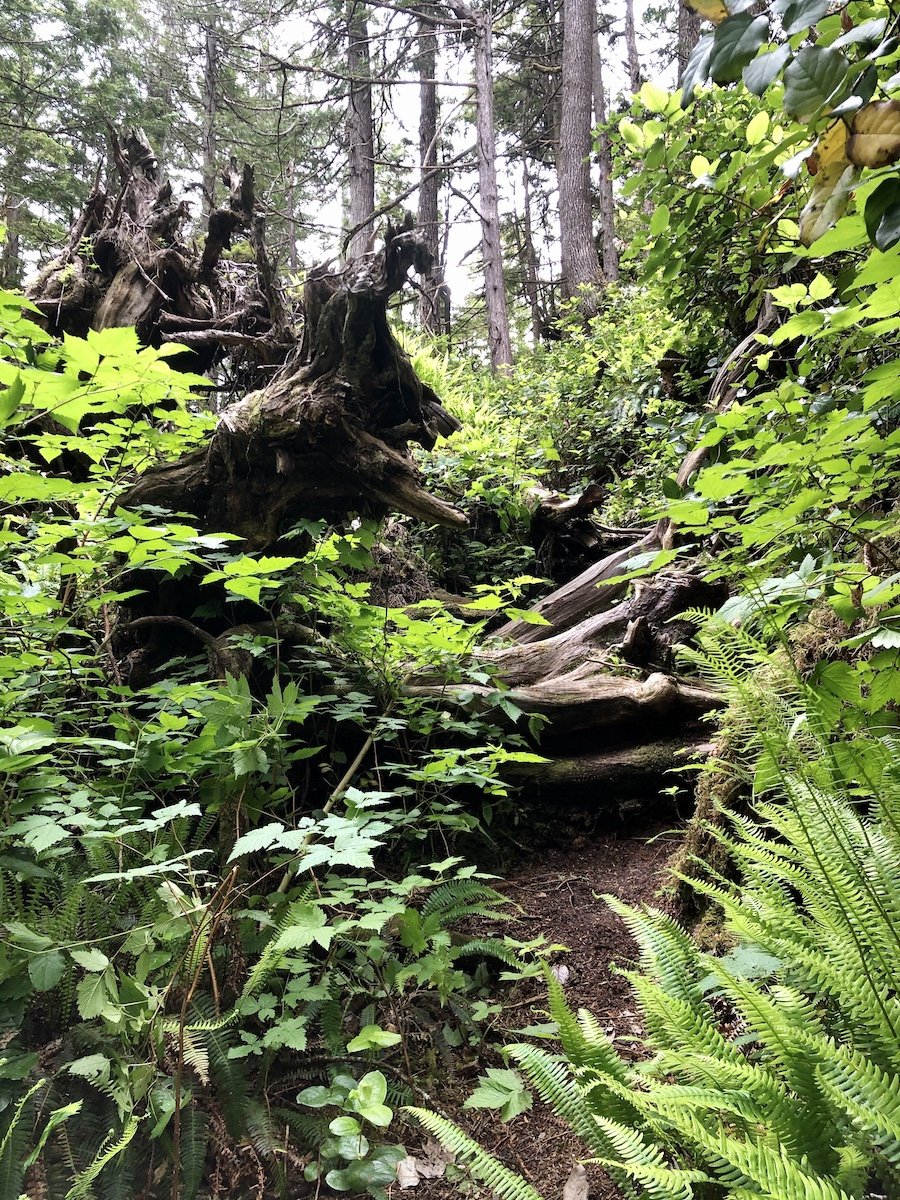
(604, 778)
(581, 682)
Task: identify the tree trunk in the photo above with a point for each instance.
(581, 274)
(434, 301)
(499, 343)
(360, 136)
(688, 34)
(210, 106)
(634, 62)
(609, 250)
(529, 259)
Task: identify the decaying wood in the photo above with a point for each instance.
(604, 778)
(597, 685)
(590, 592)
(129, 261)
(329, 434)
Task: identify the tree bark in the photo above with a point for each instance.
(210, 107)
(499, 342)
(329, 434)
(434, 302)
(360, 135)
(606, 196)
(528, 254)
(634, 62)
(581, 275)
(687, 36)
(128, 262)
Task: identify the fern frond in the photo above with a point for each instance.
(555, 1084)
(80, 1189)
(483, 1166)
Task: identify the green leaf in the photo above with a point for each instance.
(802, 14)
(765, 69)
(92, 996)
(308, 924)
(757, 128)
(45, 970)
(11, 397)
(318, 1096)
(735, 43)
(659, 222)
(502, 1089)
(90, 1067)
(257, 839)
(92, 959)
(115, 341)
(367, 1099)
(811, 80)
(653, 97)
(696, 72)
(372, 1036)
(882, 214)
(345, 1127)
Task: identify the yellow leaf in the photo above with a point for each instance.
(709, 10)
(875, 135)
(700, 166)
(828, 200)
(830, 148)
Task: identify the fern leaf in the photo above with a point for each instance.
(483, 1166)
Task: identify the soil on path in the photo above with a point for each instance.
(559, 893)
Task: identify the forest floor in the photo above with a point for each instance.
(558, 892)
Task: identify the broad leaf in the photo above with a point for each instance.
(45, 970)
(812, 79)
(257, 839)
(735, 43)
(765, 69)
(696, 72)
(882, 215)
(802, 14)
(875, 135)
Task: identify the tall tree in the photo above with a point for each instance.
(434, 307)
(581, 274)
(606, 196)
(634, 62)
(210, 108)
(499, 342)
(360, 134)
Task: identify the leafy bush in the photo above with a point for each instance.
(204, 909)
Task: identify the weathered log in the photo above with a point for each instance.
(604, 778)
(580, 680)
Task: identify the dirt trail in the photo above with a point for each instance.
(559, 892)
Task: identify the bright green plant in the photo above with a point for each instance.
(775, 1069)
(197, 898)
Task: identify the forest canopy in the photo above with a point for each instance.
(443, 446)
